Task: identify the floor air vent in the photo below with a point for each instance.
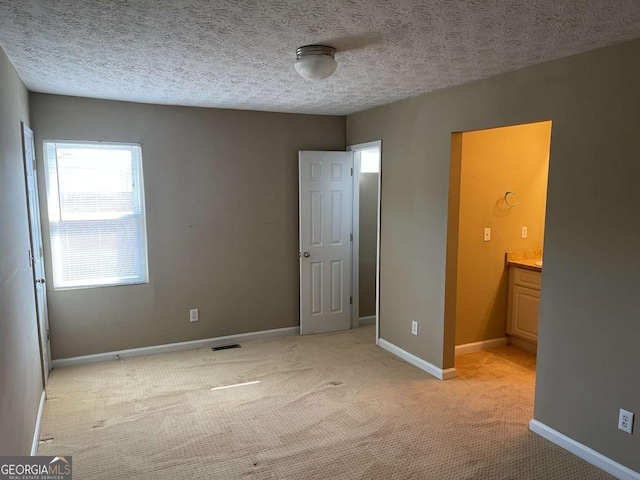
(225, 347)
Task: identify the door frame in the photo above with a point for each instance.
(355, 245)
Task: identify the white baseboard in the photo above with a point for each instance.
(370, 320)
(594, 458)
(176, 347)
(483, 345)
(523, 344)
(431, 369)
(36, 433)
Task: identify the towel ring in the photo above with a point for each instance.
(506, 198)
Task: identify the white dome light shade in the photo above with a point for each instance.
(315, 62)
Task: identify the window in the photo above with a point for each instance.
(97, 227)
(370, 160)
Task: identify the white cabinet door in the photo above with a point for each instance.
(325, 241)
(525, 312)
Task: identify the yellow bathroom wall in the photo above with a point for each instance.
(493, 161)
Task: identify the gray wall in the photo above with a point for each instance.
(20, 371)
(589, 329)
(368, 241)
(221, 190)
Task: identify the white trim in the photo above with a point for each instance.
(523, 344)
(594, 458)
(482, 345)
(431, 369)
(176, 347)
(36, 433)
(370, 320)
(378, 247)
(355, 242)
(356, 233)
(365, 146)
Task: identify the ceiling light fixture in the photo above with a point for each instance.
(315, 62)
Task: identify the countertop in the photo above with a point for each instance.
(529, 264)
(524, 259)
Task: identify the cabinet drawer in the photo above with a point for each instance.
(527, 278)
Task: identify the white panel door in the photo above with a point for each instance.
(326, 185)
(37, 255)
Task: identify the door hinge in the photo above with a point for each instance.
(350, 300)
(351, 237)
(48, 335)
(352, 171)
(31, 259)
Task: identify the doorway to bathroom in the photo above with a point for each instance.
(497, 206)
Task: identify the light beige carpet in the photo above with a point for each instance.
(329, 406)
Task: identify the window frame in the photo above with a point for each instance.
(54, 214)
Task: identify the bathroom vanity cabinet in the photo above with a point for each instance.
(524, 303)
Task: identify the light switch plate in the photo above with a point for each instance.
(487, 234)
(525, 232)
(414, 327)
(193, 315)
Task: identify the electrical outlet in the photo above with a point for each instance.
(487, 234)
(414, 327)
(625, 421)
(525, 232)
(193, 315)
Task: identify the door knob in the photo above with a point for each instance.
(306, 254)
(41, 280)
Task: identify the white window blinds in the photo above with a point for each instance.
(95, 199)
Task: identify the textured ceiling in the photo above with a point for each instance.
(240, 54)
